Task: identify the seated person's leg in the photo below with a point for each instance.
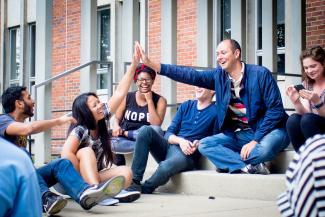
(87, 196)
(121, 146)
(222, 151)
(176, 161)
(295, 134)
(312, 124)
(269, 147)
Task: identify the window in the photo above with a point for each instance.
(280, 26)
(31, 50)
(14, 40)
(225, 19)
(104, 30)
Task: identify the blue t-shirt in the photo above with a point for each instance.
(19, 189)
(191, 123)
(5, 121)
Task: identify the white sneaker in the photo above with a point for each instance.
(95, 194)
(108, 202)
(256, 169)
(126, 196)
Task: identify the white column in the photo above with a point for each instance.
(131, 26)
(269, 43)
(293, 43)
(238, 23)
(204, 33)
(43, 69)
(88, 45)
(23, 44)
(168, 53)
(4, 47)
(251, 32)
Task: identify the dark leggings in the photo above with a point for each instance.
(302, 127)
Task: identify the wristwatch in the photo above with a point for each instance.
(318, 105)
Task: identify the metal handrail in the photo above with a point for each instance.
(68, 72)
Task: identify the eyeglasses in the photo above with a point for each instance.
(147, 80)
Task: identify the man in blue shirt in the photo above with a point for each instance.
(177, 150)
(19, 191)
(251, 116)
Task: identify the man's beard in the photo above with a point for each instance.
(28, 110)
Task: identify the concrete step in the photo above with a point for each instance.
(240, 186)
(208, 182)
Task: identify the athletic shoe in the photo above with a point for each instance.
(108, 202)
(53, 203)
(256, 169)
(127, 196)
(97, 193)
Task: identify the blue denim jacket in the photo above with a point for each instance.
(260, 94)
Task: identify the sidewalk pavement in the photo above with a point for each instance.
(179, 205)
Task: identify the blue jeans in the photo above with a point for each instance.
(170, 158)
(302, 127)
(62, 171)
(223, 149)
(122, 145)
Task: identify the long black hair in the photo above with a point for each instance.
(84, 117)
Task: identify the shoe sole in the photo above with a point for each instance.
(109, 189)
(129, 197)
(57, 207)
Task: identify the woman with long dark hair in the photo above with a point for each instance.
(308, 98)
(88, 143)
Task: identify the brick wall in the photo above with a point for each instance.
(186, 43)
(186, 40)
(65, 55)
(315, 23)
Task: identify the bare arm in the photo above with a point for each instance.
(155, 66)
(294, 97)
(124, 85)
(69, 150)
(117, 130)
(24, 129)
(156, 114)
(186, 146)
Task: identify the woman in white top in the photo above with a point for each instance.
(308, 99)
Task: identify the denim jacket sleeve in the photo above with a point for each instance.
(274, 113)
(189, 75)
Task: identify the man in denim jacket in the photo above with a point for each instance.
(251, 117)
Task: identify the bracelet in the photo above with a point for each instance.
(318, 105)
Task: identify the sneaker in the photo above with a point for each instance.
(127, 196)
(95, 194)
(256, 169)
(108, 202)
(53, 203)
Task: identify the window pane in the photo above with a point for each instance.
(104, 34)
(14, 53)
(281, 63)
(280, 23)
(32, 38)
(259, 24)
(259, 60)
(226, 19)
(102, 76)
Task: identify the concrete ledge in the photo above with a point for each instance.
(211, 183)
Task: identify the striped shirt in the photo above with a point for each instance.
(305, 181)
(236, 108)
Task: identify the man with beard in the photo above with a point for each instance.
(19, 106)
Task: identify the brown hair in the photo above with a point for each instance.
(317, 53)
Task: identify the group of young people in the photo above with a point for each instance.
(245, 126)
